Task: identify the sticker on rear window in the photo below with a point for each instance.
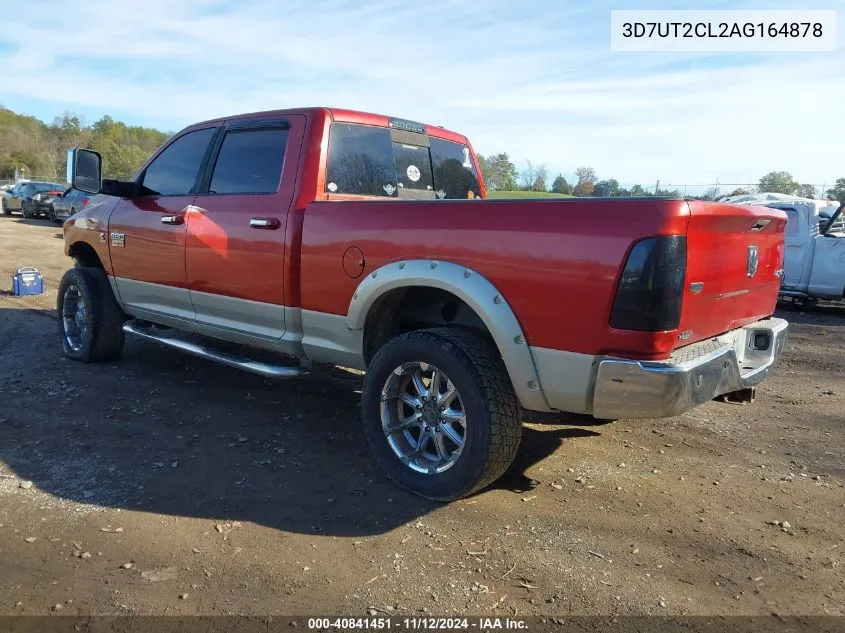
(389, 189)
(467, 161)
(413, 173)
(331, 187)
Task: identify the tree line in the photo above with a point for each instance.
(39, 150)
(500, 174)
(36, 149)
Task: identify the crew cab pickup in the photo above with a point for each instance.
(332, 236)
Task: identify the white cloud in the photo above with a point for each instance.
(527, 78)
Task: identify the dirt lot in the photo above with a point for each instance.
(164, 484)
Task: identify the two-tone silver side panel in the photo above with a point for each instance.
(568, 379)
(271, 327)
(264, 320)
(158, 298)
(327, 339)
(479, 294)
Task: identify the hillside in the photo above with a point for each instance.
(40, 149)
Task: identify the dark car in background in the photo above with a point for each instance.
(68, 203)
(32, 199)
(37, 198)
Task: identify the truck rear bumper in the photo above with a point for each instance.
(693, 374)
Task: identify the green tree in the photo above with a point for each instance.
(637, 190)
(607, 188)
(561, 186)
(806, 191)
(484, 167)
(120, 161)
(739, 191)
(26, 142)
(838, 190)
(499, 172)
(586, 181)
(778, 182)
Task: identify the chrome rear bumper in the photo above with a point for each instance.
(693, 374)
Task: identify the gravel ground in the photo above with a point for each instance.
(164, 484)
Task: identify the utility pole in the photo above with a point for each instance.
(657, 187)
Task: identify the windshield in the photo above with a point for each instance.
(375, 161)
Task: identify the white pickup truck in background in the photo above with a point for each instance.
(814, 262)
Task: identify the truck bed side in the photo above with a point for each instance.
(555, 262)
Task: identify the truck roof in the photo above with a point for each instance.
(345, 116)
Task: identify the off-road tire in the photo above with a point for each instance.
(6, 210)
(24, 211)
(494, 425)
(104, 318)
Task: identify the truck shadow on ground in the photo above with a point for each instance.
(167, 433)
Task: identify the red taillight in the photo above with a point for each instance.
(781, 226)
(84, 201)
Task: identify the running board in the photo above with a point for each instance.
(225, 358)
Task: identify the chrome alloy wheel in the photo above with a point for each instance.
(423, 417)
(73, 317)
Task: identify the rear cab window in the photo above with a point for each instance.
(398, 163)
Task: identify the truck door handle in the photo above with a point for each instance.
(172, 219)
(270, 224)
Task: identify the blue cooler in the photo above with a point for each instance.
(27, 281)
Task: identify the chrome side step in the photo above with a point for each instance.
(225, 358)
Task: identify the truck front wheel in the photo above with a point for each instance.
(90, 321)
(439, 412)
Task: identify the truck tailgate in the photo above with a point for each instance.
(734, 268)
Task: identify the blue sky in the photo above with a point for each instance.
(535, 79)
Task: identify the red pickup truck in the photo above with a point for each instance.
(342, 237)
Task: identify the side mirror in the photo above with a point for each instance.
(85, 170)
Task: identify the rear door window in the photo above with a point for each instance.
(250, 161)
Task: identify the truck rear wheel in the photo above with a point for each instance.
(439, 412)
(90, 321)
